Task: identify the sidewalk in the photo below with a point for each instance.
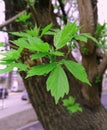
(15, 113)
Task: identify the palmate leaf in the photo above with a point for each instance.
(68, 102)
(57, 83)
(74, 108)
(71, 105)
(41, 69)
(65, 35)
(77, 70)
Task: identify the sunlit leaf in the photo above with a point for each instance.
(77, 70)
(71, 106)
(81, 38)
(41, 69)
(65, 35)
(33, 32)
(57, 83)
(46, 29)
(38, 55)
(6, 69)
(20, 34)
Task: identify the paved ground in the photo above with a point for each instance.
(15, 113)
(32, 126)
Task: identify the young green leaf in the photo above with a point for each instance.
(20, 66)
(6, 69)
(57, 83)
(77, 70)
(32, 43)
(24, 17)
(90, 37)
(37, 44)
(74, 108)
(11, 55)
(71, 106)
(81, 38)
(41, 69)
(20, 34)
(38, 55)
(57, 53)
(46, 29)
(33, 32)
(21, 42)
(68, 102)
(65, 35)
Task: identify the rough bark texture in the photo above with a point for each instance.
(56, 117)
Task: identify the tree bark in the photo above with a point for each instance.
(56, 117)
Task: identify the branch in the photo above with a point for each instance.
(103, 65)
(11, 19)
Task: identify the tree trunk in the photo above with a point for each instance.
(56, 117)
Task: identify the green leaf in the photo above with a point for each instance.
(11, 55)
(21, 42)
(38, 45)
(57, 83)
(46, 29)
(77, 70)
(65, 35)
(71, 106)
(20, 34)
(10, 67)
(41, 69)
(74, 108)
(81, 38)
(32, 43)
(91, 37)
(50, 33)
(38, 55)
(20, 66)
(1, 44)
(57, 53)
(68, 102)
(24, 17)
(33, 32)
(6, 70)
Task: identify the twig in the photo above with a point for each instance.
(12, 19)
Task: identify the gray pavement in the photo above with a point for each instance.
(32, 126)
(15, 113)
